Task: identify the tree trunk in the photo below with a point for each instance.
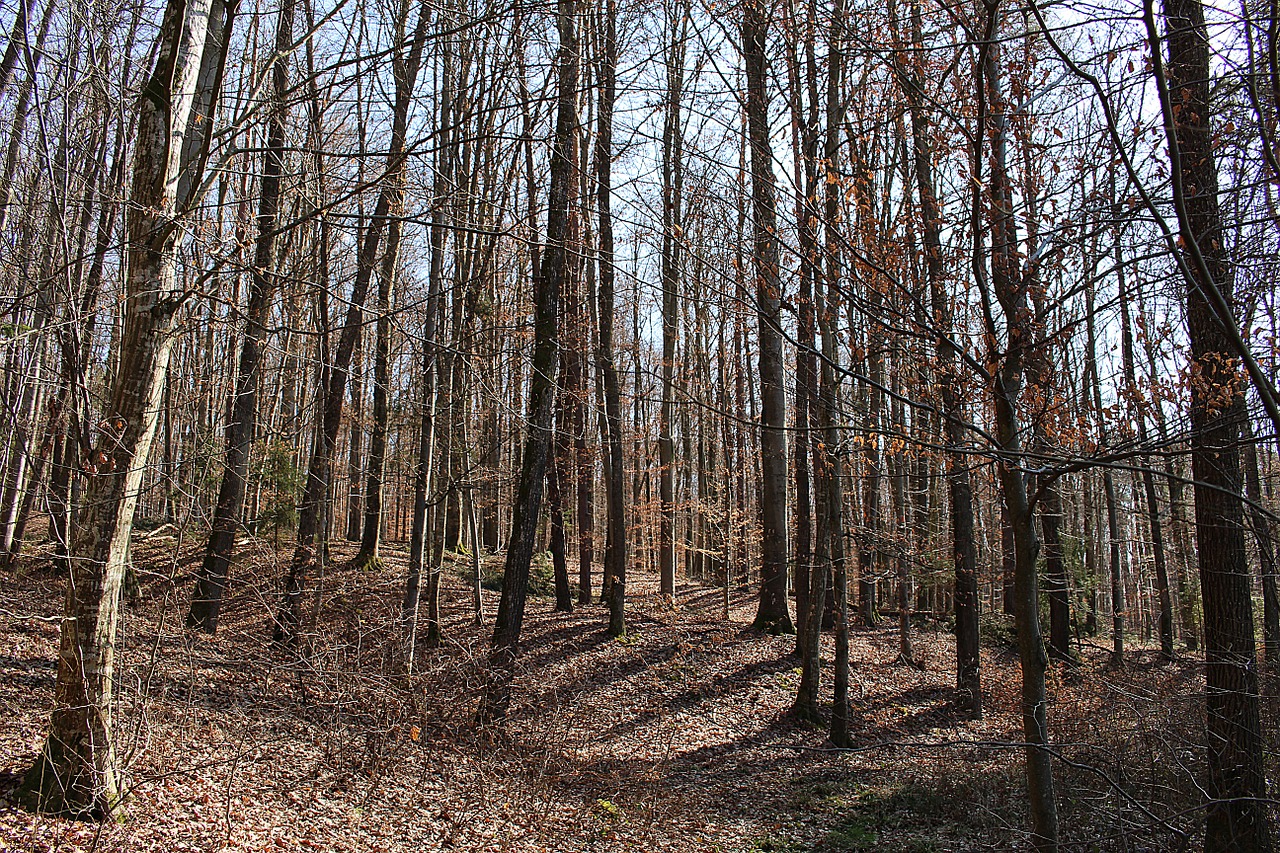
(615, 560)
(211, 579)
(555, 266)
(773, 614)
(355, 442)
(419, 533)
(556, 464)
(75, 773)
(1007, 378)
(1236, 816)
(672, 188)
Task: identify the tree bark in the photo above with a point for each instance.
(1007, 378)
(1236, 818)
(211, 579)
(553, 269)
(75, 773)
(773, 614)
(615, 560)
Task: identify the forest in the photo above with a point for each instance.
(639, 425)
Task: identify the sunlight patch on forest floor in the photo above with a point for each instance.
(676, 738)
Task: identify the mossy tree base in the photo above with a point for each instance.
(773, 626)
(366, 563)
(807, 711)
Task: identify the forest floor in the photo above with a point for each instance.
(677, 737)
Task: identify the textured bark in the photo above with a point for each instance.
(211, 578)
(75, 773)
(1235, 818)
(773, 614)
(552, 270)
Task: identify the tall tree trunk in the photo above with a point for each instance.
(615, 559)
(211, 578)
(804, 123)
(75, 773)
(773, 614)
(371, 535)
(813, 554)
(419, 533)
(1236, 818)
(672, 188)
(555, 266)
(1007, 379)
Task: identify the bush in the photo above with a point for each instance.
(997, 630)
(542, 579)
(281, 481)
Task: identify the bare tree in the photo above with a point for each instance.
(76, 772)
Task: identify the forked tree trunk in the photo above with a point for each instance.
(75, 773)
(812, 548)
(1010, 292)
